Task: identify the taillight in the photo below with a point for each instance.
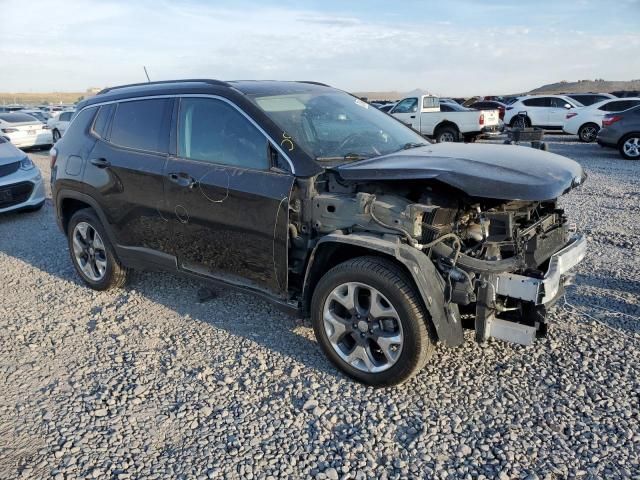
(482, 119)
(608, 121)
(53, 156)
(571, 115)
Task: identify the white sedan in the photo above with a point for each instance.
(24, 130)
(586, 122)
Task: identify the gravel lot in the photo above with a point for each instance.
(148, 383)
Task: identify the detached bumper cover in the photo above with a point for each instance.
(545, 290)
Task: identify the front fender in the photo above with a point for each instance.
(429, 282)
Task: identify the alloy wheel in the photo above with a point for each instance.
(89, 251)
(589, 133)
(363, 327)
(446, 137)
(631, 147)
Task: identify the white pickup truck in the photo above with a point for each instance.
(423, 114)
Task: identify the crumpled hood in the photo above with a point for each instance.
(9, 153)
(505, 172)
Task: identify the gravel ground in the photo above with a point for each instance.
(148, 383)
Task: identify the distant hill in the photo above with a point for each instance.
(584, 86)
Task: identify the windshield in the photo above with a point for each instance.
(332, 125)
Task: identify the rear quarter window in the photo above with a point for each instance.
(102, 121)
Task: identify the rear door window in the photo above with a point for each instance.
(142, 125)
(537, 102)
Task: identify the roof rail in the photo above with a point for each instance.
(209, 81)
(313, 83)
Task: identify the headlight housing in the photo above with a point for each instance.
(26, 164)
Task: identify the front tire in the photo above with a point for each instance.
(92, 254)
(588, 132)
(630, 146)
(370, 321)
(55, 135)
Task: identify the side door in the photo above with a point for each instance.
(125, 172)
(407, 112)
(537, 110)
(230, 201)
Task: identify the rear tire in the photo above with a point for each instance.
(447, 134)
(588, 132)
(92, 254)
(55, 134)
(629, 146)
(370, 321)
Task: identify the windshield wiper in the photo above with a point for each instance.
(409, 145)
(348, 156)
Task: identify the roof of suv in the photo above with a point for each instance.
(168, 87)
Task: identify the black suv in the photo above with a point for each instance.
(311, 198)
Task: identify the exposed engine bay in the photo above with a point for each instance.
(493, 255)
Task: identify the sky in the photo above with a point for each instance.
(453, 48)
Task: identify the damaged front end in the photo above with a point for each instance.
(497, 265)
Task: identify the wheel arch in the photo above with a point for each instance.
(69, 202)
(444, 124)
(624, 137)
(335, 248)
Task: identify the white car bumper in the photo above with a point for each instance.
(21, 189)
(22, 140)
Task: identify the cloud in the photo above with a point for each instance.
(85, 43)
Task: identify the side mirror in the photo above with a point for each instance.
(568, 106)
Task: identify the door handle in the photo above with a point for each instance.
(182, 179)
(100, 162)
(412, 116)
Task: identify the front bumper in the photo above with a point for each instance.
(544, 291)
(26, 187)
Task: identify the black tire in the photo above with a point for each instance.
(447, 134)
(115, 274)
(634, 138)
(395, 285)
(588, 132)
(55, 134)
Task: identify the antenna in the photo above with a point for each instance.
(145, 72)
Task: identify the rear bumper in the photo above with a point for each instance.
(42, 137)
(491, 130)
(544, 291)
